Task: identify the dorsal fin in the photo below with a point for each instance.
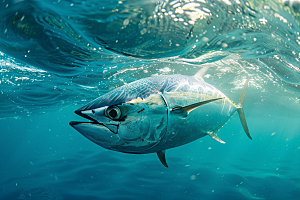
(200, 74)
(191, 107)
(215, 137)
(162, 157)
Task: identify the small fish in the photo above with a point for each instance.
(153, 114)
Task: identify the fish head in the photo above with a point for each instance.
(124, 121)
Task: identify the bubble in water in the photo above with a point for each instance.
(224, 45)
(126, 22)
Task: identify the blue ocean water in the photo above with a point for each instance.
(55, 56)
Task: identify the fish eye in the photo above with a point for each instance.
(114, 112)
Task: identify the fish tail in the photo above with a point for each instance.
(241, 110)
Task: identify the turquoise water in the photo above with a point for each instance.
(55, 56)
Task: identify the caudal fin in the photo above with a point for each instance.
(241, 110)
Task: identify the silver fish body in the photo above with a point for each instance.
(154, 114)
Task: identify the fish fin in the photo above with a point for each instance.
(243, 93)
(191, 107)
(162, 157)
(200, 74)
(164, 86)
(215, 136)
(241, 110)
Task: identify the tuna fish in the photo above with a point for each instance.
(153, 114)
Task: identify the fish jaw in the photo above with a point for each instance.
(97, 133)
(101, 133)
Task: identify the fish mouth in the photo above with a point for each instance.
(114, 128)
(74, 123)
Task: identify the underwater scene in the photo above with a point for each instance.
(173, 99)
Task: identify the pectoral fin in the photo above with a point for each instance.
(191, 107)
(215, 137)
(162, 157)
